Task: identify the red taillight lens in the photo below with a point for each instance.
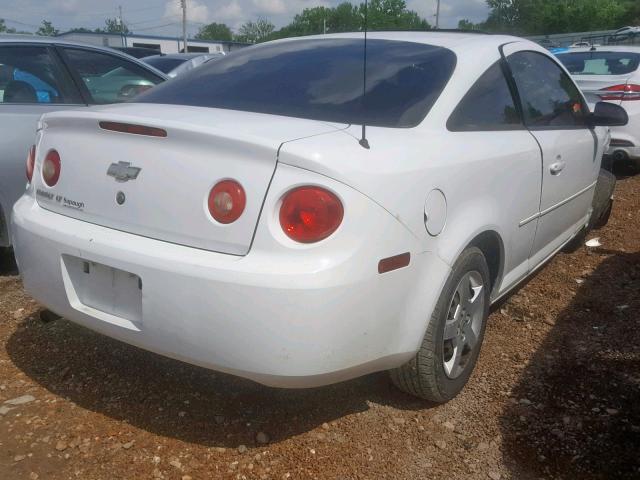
(622, 92)
(310, 214)
(51, 168)
(227, 201)
(31, 162)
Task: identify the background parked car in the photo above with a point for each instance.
(624, 33)
(611, 73)
(137, 52)
(39, 75)
(178, 63)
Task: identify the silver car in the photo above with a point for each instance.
(39, 75)
(176, 64)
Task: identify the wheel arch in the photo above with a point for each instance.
(492, 247)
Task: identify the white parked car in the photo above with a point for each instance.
(179, 63)
(625, 33)
(611, 74)
(236, 218)
(40, 75)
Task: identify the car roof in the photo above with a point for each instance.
(603, 48)
(441, 38)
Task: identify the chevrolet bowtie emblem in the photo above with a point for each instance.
(123, 171)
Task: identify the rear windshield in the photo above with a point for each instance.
(600, 63)
(163, 64)
(319, 79)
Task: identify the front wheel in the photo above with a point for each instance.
(451, 345)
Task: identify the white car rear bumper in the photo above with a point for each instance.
(276, 321)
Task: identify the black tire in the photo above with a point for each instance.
(576, 242)
(602, 200)
(424, 376)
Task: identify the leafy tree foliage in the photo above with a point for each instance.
(465, 24)
(215, 31)
(4, 28)
(253, 32)
(558, 16)
(113, 25)
(347, 17)
(47, 29)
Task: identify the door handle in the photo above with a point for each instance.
(556, 168)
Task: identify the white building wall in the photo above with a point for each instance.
(163, 44)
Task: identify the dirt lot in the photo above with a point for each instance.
(556, 395)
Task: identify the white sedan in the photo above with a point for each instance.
(261, 216)
(612, 74)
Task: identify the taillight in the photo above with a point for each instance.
(310, 214)
(227, 201)
(622, 92)
(31, 162)
(134, 129)
(51, 168)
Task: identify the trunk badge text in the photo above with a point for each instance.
(123, 171)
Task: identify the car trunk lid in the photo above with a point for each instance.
(158, 186)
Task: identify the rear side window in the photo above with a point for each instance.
(29, 74)
(600, 63)
(549, 97)
(487, 106)
(320, 80)
(109, 78)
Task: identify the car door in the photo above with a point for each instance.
(555, 113)
(107, 78)
(488, 122)
(32, 81)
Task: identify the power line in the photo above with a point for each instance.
(156, 26)
(152, 20)
(8, 20)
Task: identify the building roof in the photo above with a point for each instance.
(155, 37)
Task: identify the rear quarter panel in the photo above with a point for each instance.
(491, 180)
(18, 126)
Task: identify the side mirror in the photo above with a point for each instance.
(608, 115)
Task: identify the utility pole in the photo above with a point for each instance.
(324, 26)
(437, 14)
(183, 3)
(121, 21)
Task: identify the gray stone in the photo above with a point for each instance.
(20, 400)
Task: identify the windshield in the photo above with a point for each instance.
(320, 79)
(600, 63)
(164, 64)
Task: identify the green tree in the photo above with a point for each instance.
(465, 24)
(508, 15)
(84, 30)
(5, 29)
(254, 32)
(558, 16)
(392, 15)
(215, 31)
(47, 29)
(346, 17)
(113, 25)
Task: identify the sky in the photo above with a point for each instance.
(163, 17)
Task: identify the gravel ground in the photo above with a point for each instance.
(555, 395)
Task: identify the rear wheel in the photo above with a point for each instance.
(450, 347)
